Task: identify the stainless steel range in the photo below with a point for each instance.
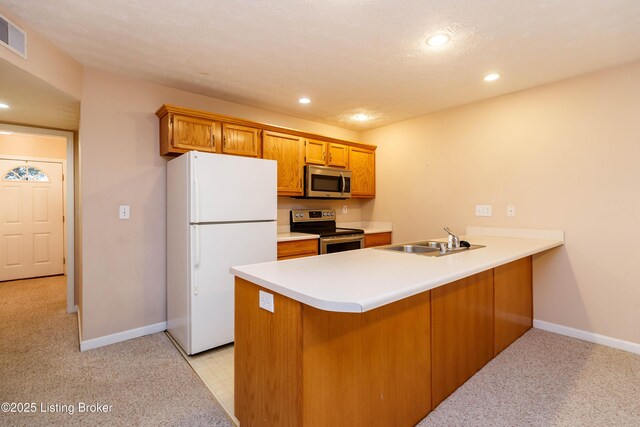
(323, 222)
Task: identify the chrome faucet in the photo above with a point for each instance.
(454, 241)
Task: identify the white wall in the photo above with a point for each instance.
(124, 261)
(566, 155)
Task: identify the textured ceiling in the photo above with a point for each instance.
(348, 56)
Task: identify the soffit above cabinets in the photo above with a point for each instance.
(348, 56)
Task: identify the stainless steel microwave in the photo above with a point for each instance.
(327, 183)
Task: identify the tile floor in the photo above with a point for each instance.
(215, 368)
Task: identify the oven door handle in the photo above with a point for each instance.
(340, 239)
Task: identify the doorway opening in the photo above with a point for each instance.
(37, 194)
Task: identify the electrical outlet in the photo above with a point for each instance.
(483, 210)
(266, 301)
(125, 211)
(511, 210)
(345, 209)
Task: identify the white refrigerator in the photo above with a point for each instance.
(221, 212)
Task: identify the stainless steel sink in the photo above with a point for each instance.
(412, 248)
(427, 243)
(425, 247)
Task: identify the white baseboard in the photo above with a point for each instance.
(122, 336)
(73, 309)
(79, 317)
(629, 346)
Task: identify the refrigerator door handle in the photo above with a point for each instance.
(196, 264)
(196, 187)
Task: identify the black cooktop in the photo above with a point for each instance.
(329, 231)
(321, 222)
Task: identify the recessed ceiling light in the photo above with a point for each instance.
(491, 77)
(304, 100)
(360, 117)
(4, 132)
(3, 105)
(439, 39)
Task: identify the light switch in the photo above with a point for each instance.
(125, 211)
(483, 210)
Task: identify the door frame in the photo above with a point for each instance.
(68, 191)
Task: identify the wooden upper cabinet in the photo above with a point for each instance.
(240, 140)
(180, 133)
(338, 155)
(362, 163)
(185, 129)
(288, 151)
(325, 153)
(316, 152)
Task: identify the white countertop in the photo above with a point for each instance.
(288, 237)
(361, 280)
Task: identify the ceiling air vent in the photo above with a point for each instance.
(13, 37)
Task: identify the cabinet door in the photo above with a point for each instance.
(316, 152)
(288, 151)
(461, 332)
(338, 155)
(513, 294)
(363, 175)
(192, 133)
(240, 140)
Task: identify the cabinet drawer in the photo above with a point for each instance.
(297, 248)
(377, 239)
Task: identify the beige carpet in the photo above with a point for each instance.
(545, 379)
(146, 381)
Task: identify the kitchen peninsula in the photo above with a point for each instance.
(376, 337)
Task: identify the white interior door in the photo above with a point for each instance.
(31, 226)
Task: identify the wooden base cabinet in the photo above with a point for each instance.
(300, 366)
(513, 289)
(297, 249)
(462, 332)
(377, 239)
